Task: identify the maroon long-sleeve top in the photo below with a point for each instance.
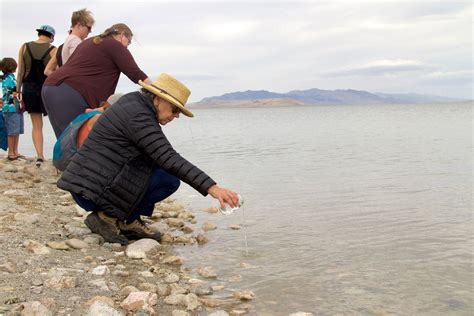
(94, 69)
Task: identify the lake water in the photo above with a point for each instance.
(348, 209)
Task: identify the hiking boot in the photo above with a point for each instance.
(105, 226)
(138, 230)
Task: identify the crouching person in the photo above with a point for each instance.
(126, 164)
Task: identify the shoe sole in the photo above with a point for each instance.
(131, 235)
(98, 226)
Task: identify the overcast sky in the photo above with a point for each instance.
(226, 46)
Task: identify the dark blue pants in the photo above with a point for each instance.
(161, 185)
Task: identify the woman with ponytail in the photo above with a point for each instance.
(90, 76)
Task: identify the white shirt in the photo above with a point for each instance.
(69, 46)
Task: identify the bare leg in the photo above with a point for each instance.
(11, 146)
(37, 135)
(17, 140)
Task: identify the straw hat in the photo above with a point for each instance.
(170, 89)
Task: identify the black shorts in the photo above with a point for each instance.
(33, 102)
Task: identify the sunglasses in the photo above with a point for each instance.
(175, 109)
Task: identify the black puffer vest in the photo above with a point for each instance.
(114, 164)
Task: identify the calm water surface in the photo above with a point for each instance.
(348, 209)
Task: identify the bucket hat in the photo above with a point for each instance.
(47, 28)
(170, 89)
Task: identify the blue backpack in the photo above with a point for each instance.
(66, 146)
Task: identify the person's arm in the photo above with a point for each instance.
(52, 64)
(126, 63)
(21, 69)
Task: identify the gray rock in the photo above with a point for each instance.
(35, 308)
(191, 301)
(171, 278)
(163, 289)
(175, 299)
(27, 218)
(61, 282)
(121, 273)
(77, 243)
(8, 266)
(177, 312)
(202, 289)
(142, 247)
(58, 245)
(219, 313)
(128, 289)
(100, 270)
(36, 248)
(99, 308)
(75, 231)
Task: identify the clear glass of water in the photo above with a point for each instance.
(228, 210)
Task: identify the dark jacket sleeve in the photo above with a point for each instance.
(145, 131)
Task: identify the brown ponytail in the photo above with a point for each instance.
(114, 29)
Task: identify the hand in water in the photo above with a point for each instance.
(224, 196)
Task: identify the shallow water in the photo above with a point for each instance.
(348, 209)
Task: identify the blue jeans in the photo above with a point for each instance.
(161, 185)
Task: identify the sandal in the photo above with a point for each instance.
(11, 158)
(21, 157)
(39, 162)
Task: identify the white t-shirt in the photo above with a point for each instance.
(69, 46)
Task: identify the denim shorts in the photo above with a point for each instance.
(14, 123)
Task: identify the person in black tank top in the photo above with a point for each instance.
(33, 57)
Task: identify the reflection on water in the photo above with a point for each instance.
(348, 209)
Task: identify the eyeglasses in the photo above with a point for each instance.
(175, 109)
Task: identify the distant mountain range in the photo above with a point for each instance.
(252, 98)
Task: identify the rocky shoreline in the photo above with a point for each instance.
(51, 263)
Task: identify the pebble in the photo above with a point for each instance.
(75, 231)
(207, 272)
(167, 238)
(139, 300)
(100, 270)
(100, 308)
(201, 289)
(175, 299)
(61, 282)
(159, 227)
(177, 312)
(35, 308)
(171, 278)
(191, 301)
(147, 287)
(211, 210)
(219, 313)
(187, 229)
(140, 248)
(128, 289)
(100, 283)
(8, 266)
(208, 226)
(175, 222)
(121, 273)
(94, 239)
(301, 314)
(15, 192)
(177, 289)
(77, 243)
(36, 248)
(27, 218)
(246, 295)
(173, 260)
(146, 274)
(234, 226)
(216, 302)
(201, 239)
(163, 289)
(58, 245)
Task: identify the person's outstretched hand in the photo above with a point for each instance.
(224, 196)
